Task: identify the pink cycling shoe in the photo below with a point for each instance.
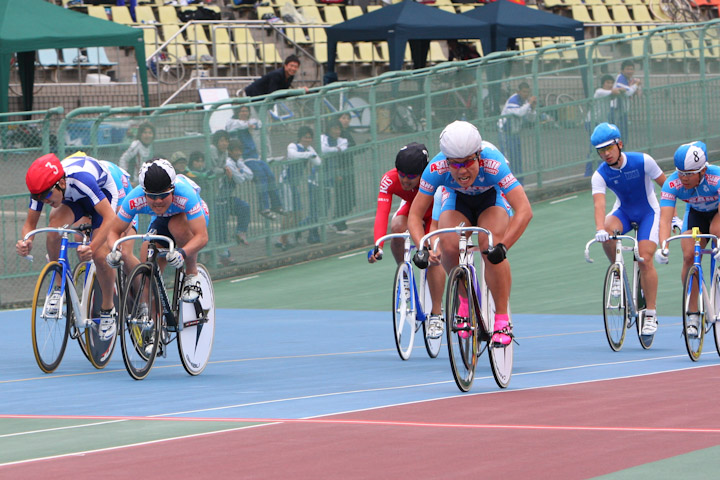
(503, 330)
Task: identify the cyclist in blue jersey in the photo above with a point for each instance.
(697, 184)
(176, 210)
(77, 189)
(629, 175)
(480, 186)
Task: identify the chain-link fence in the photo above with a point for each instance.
(678, 68)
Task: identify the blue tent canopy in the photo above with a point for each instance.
(405, 22)
(511, 20)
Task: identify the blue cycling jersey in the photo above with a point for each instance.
(703, 198)
(186, 199)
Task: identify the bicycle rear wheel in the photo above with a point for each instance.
(461, 330)
(404, 314)
(140, 316)
(501, 356)
(615, 312)
(693, 343)
(432, 345)
(646, 341)
(195, 339)
(99, 351)
(51, 317)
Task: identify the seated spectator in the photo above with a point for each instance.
(333, 146)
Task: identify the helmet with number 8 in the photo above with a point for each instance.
(690, 156)
(460, 139)
(605, 134)
(157, 176)
(44, 173)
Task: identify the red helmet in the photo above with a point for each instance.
(44, 173)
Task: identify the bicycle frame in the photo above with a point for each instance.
(620, 260)
(81, 320)
(698, 252)
(417, 301)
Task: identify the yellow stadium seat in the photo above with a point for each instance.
(621, 14)
(352, 11)
(121, 15)
(437, 54)
(333, 15)
(580, 13)
(600, 14)
(97, 11)
(144, 14)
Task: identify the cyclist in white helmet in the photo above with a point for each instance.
(480, 186)
(696, 183)
(176, 210)
(629, 175)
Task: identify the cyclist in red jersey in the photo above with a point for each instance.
(403, 181)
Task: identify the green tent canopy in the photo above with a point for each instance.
(30, 25)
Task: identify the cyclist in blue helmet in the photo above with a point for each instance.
(696, 183)
(629, 175)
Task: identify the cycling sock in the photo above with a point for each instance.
(649, 313)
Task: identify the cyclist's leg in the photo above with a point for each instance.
(615, 220)
(647, 244)
(398, 224)
(498, 276)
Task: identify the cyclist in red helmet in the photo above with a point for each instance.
(77, 189)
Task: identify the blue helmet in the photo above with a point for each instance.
(690, 156)
(604, 135)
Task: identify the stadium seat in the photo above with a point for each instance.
(366, 53)
(270, 54)
(551, 53)
(447, 8)
(352, 11)
(333, 15)
(580, 13)
(466, 8)
(196, 34)
(121, 15)
(437, 54)
(600, 14)
(621, 14)
(641, 14)
(345, 53)
(320, 52)
(168, 15)
(97, 11)
(151, 40)
(265, 10)
(311, 14)
(372, 8)
(551, 4)
(97, 57)
(144, 14)
(176, 45)
(246, 54)
(317, 35)
(297, 35)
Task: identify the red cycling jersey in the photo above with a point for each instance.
(389, 186)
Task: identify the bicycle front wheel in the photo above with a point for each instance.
(195, 339)
(404, 313)
(461, 327)
(140, 316)
(79, 274)
(432, 345)
(715, 302)
(693, 313)
(51, 316)
(615, 312)
(646, 341)
(99, 350)
(501, 356)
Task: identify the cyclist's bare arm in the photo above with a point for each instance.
(666, 216)
(199, 239)
(523, 214)
(100, 235)
(416, 226)
(661, 180)
(23, 247)
(599, 206)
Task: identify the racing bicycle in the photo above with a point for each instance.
(411, 302)
(150, 320)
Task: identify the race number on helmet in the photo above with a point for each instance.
(412, 158)
(44, 173)
(604, 135)
(157, 176)
(460, 139)
(690, 156)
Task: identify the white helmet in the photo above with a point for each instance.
(460, 139)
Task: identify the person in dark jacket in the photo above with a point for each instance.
(279, 79)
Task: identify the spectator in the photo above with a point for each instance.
(600, 113)
(179, 162)
(519, 108)
(218, 152)
(139, 151)
(302, 162)
(280, 79)
(345, 196)
(333, 146)
(461, 50)
(241, 127)
(629, 87)
(228, 203)
(197, 170)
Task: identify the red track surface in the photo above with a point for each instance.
(570, 432)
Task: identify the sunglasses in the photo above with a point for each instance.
(687, 173)
(465, 164)
(39, 197)
(159, 196)
(409, 176)
(605, 148)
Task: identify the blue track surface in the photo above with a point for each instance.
(300, 364)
